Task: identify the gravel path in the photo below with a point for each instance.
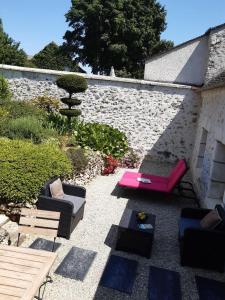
(95, 232)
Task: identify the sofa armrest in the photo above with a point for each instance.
(194, 213)
(205, 238)
(74, 190)
(52, 204)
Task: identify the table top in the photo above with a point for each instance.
(22, 271)
(129, 221)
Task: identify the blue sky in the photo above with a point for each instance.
(35, 23)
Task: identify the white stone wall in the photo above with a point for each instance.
(185, 64)
(158, 119)
(216, 61)
(212, 119)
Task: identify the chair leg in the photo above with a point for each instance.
(53, 247)
(18, 239)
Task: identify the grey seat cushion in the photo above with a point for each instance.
(77, 202)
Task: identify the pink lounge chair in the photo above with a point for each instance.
(159, 183)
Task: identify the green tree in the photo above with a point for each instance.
(53, 57)
(119, 33)
(10, 52)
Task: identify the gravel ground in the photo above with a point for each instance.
(96, 232)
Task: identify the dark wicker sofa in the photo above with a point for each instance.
(71, 206)
(201, 248)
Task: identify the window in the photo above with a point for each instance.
(202, 147)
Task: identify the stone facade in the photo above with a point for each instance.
(158, 119)
(216, 60)
(208, 160)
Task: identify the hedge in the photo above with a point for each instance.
(24, 167)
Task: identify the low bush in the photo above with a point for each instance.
(101, 137)
(60, 123)
(17, 109)
(26, 128)
(47, 103)
(79, 158)
(5, 94)
(25, 167)
(131, 160)
(110, 165)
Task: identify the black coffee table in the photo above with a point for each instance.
(133, 239)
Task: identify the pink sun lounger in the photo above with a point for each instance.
(152, 182)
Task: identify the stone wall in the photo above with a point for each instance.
(208, 161)
(216, 61)
(158, 119)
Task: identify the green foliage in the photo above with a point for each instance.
(47, 103)
(24, 167)
(121, 33)
(28, 127)
(60, 123)
(101, 137)
(5, 94)
(53, 57)
(70, 112)
(72, 83)
(18, 109)
(79, 158)
(10, 52)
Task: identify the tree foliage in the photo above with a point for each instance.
(53, 57)
(119, 33)
(10, 51)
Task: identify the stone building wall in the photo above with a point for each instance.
(216, 59)
(208, 161)
(158, 119)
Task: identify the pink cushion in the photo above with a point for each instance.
(176, 174)
(158, 183)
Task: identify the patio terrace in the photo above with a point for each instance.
(97, 233)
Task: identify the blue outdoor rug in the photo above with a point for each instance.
(163, 284)
(42, 244)
(209, 289)
(119, 274)
(76, 263)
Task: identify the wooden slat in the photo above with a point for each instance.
(40, 213)
(14, 282)
(7, 297)
(16, 275)
(23, 256)
(12, 291)
(37, 230)
(21, 262)
(27, 251)
(39, 222)
(22, 286)
(17, 268)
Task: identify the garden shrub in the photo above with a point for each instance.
(26, 128)
(79, 158)
(5, 94)
(24, 167)
(18, 109)
(101, 137)
(60, 123)
(47, 103)
(110, 165)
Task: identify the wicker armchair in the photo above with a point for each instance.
(71, 206)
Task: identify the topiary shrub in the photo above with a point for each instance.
(101, 137)
(25, 167)
(71, 84)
